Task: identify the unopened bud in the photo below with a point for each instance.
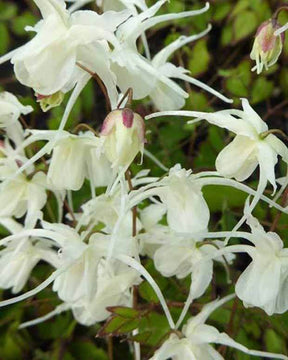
(124, 136)
(267, 47)
(48, 102)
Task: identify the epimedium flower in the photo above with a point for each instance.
(19, 256)
(267, 45)
(84, 279)
(18, 259)
(194, 343)
(155, 75)
(22, 195)
(254, 145)
(164, 95)
(264, 283)
(112, 287)
(77, 156)
(60, 36)
(182, 198)
(106, 210)
(123, 134)
(10, 111)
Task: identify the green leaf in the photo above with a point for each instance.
(8, 11)
(20, 22)
(158, 326)
(118, 325)
(274, 342)
(112, 325)
(128, 326)
(226, 35)
(221, 10)
(147, 293)
(86, 350)
(261, 90)
(141, 338)
(199, 58)
(5, 40)
(244, 24)
(125, 312)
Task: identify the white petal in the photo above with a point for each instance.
(238, 159)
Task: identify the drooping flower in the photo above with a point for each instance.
(264, 283)
(254, 145)
(186, 208)
(18, 259)
(267, 45)
(197, 337)
(76, 156)
(10, 111)
(57, 46)
(22, 195)
(156, 75)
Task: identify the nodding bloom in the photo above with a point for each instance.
(254, 145)
(156, 75)
(123, 134)
(10, 111)
(194, 343)
(57, 46)
(18, 259)
(22, 195)
(267, 45)
(76, 156)
(264, 282)
(182, 199)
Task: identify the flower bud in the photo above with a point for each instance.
(48, 102)
(124, 136)
(267, 47)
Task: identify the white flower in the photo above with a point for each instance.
(19, 257)
(16, 263)
(264, 283)
(106, 210)
(58, 44)
(253, 145)
(112, 283)
(76, 157)
(155, 75)
(21, 195)
(187, 210)
(10, 111)
(195, 345)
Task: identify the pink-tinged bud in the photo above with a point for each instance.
(127, 117)
(267, 47)
(124, 136)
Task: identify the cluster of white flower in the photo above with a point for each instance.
(96, 253)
